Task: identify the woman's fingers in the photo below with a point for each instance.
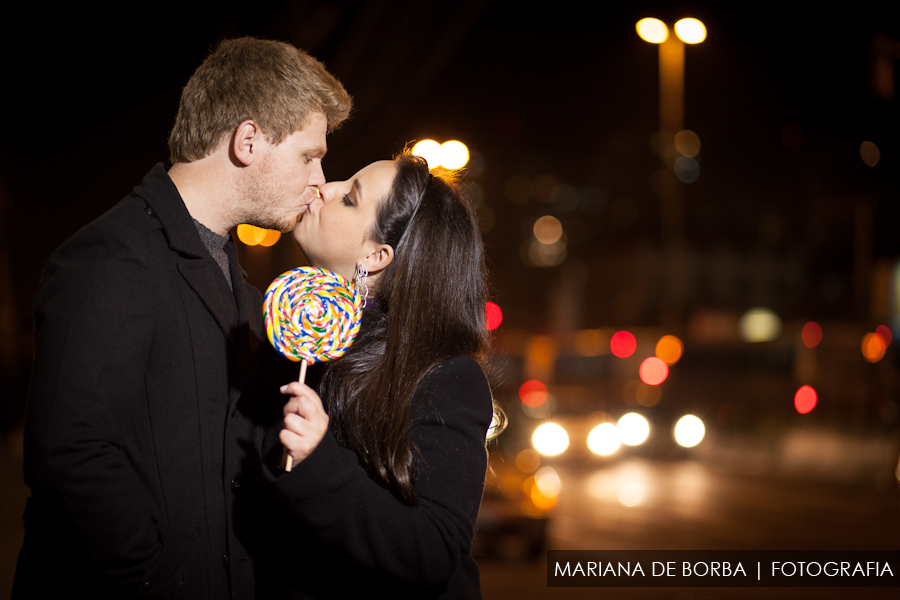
(305, 421)
(303, 400)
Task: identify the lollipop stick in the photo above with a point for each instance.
(288, 461)
(302, 377)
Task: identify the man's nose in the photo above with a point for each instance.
(316, 175)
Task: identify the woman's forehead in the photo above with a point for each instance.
(376, 179)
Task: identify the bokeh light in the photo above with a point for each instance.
(548, 230)
(430, 150)
(550, 439)
(592, 342)
(669, 348)
(545, 255)
(760, 325)
(690, 31)
(623, 344)
(533, 490)
(450, 155)
(689, 431)
(454, 155)
(494, 315)
(631, 494)
(647, 395)
(257, 236)
(548, 482)
(885, 332)
(811, 334)
(869, 153)
(653, 370)
(533, 393)
(805, 399)
(604, 439)
(687, 143)
(633, 429)
(528, 460)
(873, 347)
(652, 30)
(687, 169)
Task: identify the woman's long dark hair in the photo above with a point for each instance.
(428, 306)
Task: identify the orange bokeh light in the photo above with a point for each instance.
(873, 347)
(623, 344)
(669, 348)
(811, 334)
(885, 332)
(533, 393)
(653, 370)
(805, 399)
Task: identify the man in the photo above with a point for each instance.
(141, 414)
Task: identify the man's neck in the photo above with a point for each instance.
(207, 188)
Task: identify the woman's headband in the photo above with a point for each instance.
(414, 212)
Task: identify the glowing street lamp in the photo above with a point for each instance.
(690, 31)
(671, 122)
(450, 155)
(652, 30)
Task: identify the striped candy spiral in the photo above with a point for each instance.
(312, 314)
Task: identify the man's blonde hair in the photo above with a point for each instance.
(272, 83)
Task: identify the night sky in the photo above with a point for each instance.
(567, 91)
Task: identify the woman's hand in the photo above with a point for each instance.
(305, 421)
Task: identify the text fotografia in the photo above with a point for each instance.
(723, 568)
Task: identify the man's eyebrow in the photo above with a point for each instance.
(318, 151)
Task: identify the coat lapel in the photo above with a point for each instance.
(195, 263)
(203, 278)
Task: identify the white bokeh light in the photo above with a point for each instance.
(633, 429)
(550, 439)
(689, 431)
(604, 439)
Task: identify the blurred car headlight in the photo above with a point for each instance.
(689, 431)
(550, 439)
(633, 429)
(604, 439)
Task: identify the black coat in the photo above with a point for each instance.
(336, 533)
(137, 426)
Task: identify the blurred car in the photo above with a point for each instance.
(516, 508)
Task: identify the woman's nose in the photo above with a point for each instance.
(327, 191)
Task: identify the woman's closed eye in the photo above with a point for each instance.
(347, 201)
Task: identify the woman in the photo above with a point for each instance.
(389, 464)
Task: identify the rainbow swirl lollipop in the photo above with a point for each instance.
(311, 314)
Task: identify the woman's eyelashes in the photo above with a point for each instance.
(347, 201)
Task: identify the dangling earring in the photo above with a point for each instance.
(359, 281)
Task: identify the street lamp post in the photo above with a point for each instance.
(671, 121)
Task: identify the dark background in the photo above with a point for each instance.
(564, 89)
(785, 214)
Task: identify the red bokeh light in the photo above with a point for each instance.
(533, 393)
(623, 344)
(812, 334)
(494, 315)
(885, 332)
(805, 399)
(653, 371)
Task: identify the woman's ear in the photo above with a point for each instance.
(380, 256)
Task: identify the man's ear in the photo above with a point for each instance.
(380, 256)
(247, 143)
